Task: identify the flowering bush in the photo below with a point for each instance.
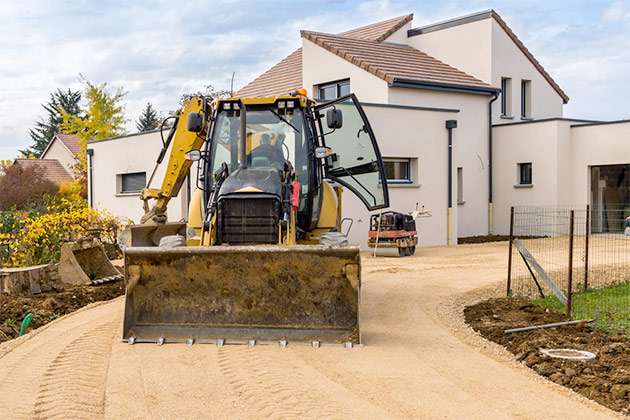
(40, 238)
(31, 239)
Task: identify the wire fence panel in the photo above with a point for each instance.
(581, 254)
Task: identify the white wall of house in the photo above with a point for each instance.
(57, 150)
(509, 61)
(594, 145)
(123, 155)
(320, 66)
(400, 36)
(562, 153)
(470, 153)
(467, 47)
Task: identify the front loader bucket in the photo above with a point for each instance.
(85, 263)
(240, 293)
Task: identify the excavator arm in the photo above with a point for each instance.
(194, 111)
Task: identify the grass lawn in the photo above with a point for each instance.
(611, 305)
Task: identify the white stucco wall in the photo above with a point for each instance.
(561, 152)
(400, 36)
(320, 66)
(520, 143)
(58, 151)
(594, 145)
(136, 153)
(470, 140)
(409, 133)
(467, 47)
(509, 61)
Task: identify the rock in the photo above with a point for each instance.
(557, 378)
(587, 371)
(569, 372)
(544, 369)
(620, 391)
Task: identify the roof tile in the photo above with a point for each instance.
(71, 141)
(392, 62)
(286, 76)
(53, 170)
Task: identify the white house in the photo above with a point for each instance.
(469, 79)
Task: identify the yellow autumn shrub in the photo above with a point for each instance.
(40, 238)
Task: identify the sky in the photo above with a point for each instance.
(158, 50)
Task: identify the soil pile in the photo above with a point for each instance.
(46, 307)
(606, 379)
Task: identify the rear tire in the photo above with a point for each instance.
(412, 250)
(402, 251)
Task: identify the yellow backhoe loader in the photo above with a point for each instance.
(261, 257)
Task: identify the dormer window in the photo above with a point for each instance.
(333, 90)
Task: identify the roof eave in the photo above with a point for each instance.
(448, 87)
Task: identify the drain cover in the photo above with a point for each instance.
(569, 354)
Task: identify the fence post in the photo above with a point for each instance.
(509, 276)
(570, 285)
(586, 241)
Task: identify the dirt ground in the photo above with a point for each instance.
(605, 379)
(47, 307)
(419, 360)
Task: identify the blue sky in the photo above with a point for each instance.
(157, 50)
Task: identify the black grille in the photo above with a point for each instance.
(245, 221)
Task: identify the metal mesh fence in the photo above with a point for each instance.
(573, 260)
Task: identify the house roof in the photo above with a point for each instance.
(395, 62)
(287, 74)
(70, 142)
(53, 170)
(493, 14)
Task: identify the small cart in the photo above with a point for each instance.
(393, 230)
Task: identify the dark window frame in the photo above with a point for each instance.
(405, 180)
(338, 84)
(525, 173)
(526, 100)
(506, 85)
(121, 182)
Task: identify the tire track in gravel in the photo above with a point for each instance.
(23, 369)
(275, 384)
(74, 383)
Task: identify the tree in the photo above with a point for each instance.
(103, 117)
(46, 128)
(148, 120)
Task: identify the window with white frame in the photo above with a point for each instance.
(525, 173)
(399, 170)
(333, 90)
(506, 97)
(131, 183)
(526, 98)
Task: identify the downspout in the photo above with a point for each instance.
(490, 205)
(90, 158)
(450, 125)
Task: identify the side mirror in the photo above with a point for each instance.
(195, 122)
(194, 155)
(323, 152)
(334, 118)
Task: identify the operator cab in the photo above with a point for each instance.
(286, 137)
